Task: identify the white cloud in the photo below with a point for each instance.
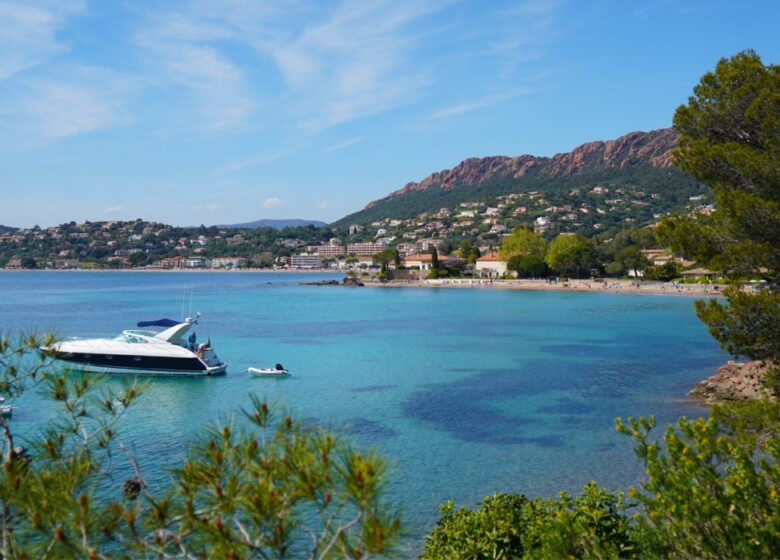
(467, 107)
(323, 204)
(179, 54)
(212, 207)
(28, 33)
(113, 209)
(338, 64)
(73, 100)
(342, 145)
(355, 62)
(273, 203)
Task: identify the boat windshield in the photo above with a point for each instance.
(135, 337)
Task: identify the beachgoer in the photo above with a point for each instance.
(192, 340)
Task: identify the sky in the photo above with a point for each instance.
(198, 112)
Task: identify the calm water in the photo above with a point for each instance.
(467, 391)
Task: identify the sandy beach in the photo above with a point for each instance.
(607, 286)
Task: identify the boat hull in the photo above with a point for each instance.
(157, 367)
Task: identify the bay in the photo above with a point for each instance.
(466, 391)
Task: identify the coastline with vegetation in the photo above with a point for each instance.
(711, 485)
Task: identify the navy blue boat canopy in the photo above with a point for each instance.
(159, 323)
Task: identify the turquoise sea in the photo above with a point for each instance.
(467, 391)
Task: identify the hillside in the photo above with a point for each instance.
(276, 224)
(7, 229)
(639, 162)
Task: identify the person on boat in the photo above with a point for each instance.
(192, 340)
(202, 350)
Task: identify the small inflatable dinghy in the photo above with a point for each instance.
(276, 371)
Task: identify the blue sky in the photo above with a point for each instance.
(227, 111)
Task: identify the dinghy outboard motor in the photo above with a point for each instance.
(279, 367)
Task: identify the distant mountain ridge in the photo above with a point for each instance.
(7, 229)
(277, 224)
(641, 160)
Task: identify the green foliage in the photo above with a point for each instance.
(272, 489)
(495, 530)
(629, 259)
(663, 272)
(528, 266)
(522, 242)
(468, 251)
(571, 255)
(591, 525)
(748, 325)
(708, 494)
(730, 139)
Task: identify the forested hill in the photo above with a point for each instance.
(637, 162)
(6, 229)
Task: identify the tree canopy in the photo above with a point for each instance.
(522, 242)
(730, 139)
(571, 255)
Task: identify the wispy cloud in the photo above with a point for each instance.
(178, 55)
(342, 145)
(28, 32)
(356, 60)
(273, 203)
(324, 204)
(482, 103)
(113, 209)
(211, 207)
(239, 165)
(75, 100)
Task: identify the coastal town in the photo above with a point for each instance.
(467, 237)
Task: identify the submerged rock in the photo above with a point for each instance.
(349, 281)
(735, 382)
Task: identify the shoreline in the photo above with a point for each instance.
(608, 286)
(587, 286)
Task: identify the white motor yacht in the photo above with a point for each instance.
(143, 352)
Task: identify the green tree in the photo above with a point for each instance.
(730, 140)
(528, 266)
(434, 258)
(28, 262)
(467, 250)
(522, 242)
(663, 272)
(571, 255)
(629, 258)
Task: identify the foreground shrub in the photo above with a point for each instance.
(591, 525)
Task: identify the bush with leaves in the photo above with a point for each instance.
(271, 489)
(591, 525)
(709, 492)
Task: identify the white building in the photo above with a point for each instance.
(306, 261)
(365, 249)
(228, 262)
(490, 265)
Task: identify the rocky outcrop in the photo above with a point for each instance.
(652, 148)
(735, 382)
